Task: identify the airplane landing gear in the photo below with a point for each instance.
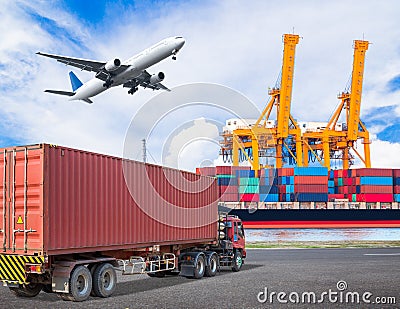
(173, 57)
(108, 83)
(133, 90)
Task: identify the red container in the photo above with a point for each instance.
(396, 189)
(340, 174)
(249, 197)
(206, 171)
(286, 171)
(311, 188)
(75, 201)
(227, 197)
(373, 198)
(396, 173)
(223, 170)
(379, 172)
(335, 197)
(349, 181)
(311, 180)
(376, 189)
(229, 190)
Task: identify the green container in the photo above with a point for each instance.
(249, 189)
(354, 198)
(249, 182)
(340, 181)
(226, 176)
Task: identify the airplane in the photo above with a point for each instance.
(130, 74)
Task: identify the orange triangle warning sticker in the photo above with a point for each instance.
(19, 221)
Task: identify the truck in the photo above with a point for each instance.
(72, 219)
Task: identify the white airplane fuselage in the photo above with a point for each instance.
(136, 64)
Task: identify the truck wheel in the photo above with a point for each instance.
(237, 261)
(47, 288)
(199, 268)
(211, 270)
(92, 268)
(104, 280)
(29, 290)
(80, 284)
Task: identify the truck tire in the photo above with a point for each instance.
(211, 269)
(80, 284)
(237, 261)
(47, 288)
(104, 280)
(92, 268)
(199, 268)
(29, 290)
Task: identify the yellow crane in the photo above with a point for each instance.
(261, 137)
(335, 142)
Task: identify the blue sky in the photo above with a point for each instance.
(227, 42)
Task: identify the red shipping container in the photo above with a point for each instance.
(289, 171)
(311, 180)
(76, 201)
(336, 197)
(282, 189)
(229, 190)
(223, 170)
(373, 198)
(396, 189)
(378, 172)
(340, 174)
(249, 197)
(311, 188)
(396, 173)
(206, 171)
(336, 174)
(227, 197)
(349, 181)
(376, 189)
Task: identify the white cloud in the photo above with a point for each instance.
(228, 42)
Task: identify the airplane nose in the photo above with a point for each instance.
(179, 42)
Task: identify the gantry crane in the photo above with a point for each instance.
(259, 138)
(336, 143)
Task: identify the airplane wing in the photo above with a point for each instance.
(144, 81)
(84, 64)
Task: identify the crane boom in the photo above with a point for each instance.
(290, 41)
(360, 47)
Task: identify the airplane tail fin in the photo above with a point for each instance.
(75, 82)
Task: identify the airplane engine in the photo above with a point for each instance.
(112, 65)
(157, 78)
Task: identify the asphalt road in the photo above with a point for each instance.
(295, 272)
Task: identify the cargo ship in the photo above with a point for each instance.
(309, 197)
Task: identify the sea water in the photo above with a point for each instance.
(342, 234)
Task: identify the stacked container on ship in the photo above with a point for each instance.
(71, 218)
(310, 197)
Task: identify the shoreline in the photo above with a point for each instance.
(321, 244)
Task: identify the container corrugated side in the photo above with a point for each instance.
(84, 204)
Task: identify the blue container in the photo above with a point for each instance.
(358, 189)
(269, 190)
(397, 198)
(378, 181)
(331, 190)
(227, 181)
(331, 184)
(269, 197)
(311, 197)
(311, 171)
(245, 173)
(289, 188)
(396, 181)
(331, 175)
